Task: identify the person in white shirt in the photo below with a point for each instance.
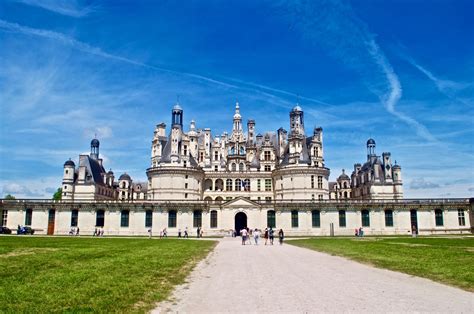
(244, 234)
(256, 235)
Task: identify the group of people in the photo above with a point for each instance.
(98, 232)
(269, 235)
(73, 231)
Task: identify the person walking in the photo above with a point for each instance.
(271, 235)
(149, 233)
(256, 235)
(265, 235)
(186, 232)
(198, 232)
(413, 231)
(361, 232)
(77, 231)
(281, 235)
(201, 232)
(244, 234)
(165, 233)
(179, 233)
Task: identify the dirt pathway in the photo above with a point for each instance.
(236, 278)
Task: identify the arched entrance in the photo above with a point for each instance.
(240, 221)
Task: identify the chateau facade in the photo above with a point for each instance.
(235, 180)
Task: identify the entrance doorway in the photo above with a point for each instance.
(51, 218)
(240, 222)
(414, 220)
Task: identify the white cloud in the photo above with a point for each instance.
(71, 8)
(421, 184)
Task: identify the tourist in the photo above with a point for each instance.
(249, 235)
(161, 234)
(281, 235)
(95, 232)
(198, 232)
(356, 232)
(265, 235)
(165, 233)
(77, 231)
(71, 232)
(243, 233)
(186, 232)
(201, 232)
(270, 235)
(256, 235)
(102, 232)
(179, 233)
(361, 232)
(149, 233)
(413, 231)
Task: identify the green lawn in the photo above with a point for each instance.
(40, 274)
(447, 260)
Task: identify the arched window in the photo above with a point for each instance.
(28, 217)
(172, 219)
(148, 219)
(439, 218)
(208, 185)
(213, 218)
(271, 221)
(219, 199)
(342, 218)
(241, 166)
(345, 185)
(228, 185)
(345, 194)
(365, 218)
(208, 199)
(123, 185)
(388, 218)
(294, 219)
(219, 185)
(99, 218)
(197, 218)
(247, 185)
(234, 167)
(124, 218)
(238, 184)
(316, 218)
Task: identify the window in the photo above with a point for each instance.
(241, 166)
(320, 182)
(4, 217)
(74, 217)
(213, 219)
(247, 185)
(268, 168)
(268, 199)
(228, 185)
(172, 219)
(99, 218)
(294, 219)
(389, 218)
(185, 163)
(320, 197)
(271, 221)
(216, 168)
(461, 218)
(238, 184)
(316, 218)
(439, 218)
(124, 218)
(216, 155)
(312, 182)
(342, 218)
(185, 195)
(148, 219)
(315, 151)
(197, 218)
(28, 217)
(185, 150)
(266, 155)
(268, 185)
(234, 167)
(186, 185)
(201, 156)
(365, 218)
(259, 185)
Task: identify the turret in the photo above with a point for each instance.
(251, 132)
(237, 125)
(68, 180)
(370, 149)
(296, 121)
(177, 116)
(95, 149)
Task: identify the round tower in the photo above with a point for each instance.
(95, 149)
(177, 116)
(370, 148)
(68, 180)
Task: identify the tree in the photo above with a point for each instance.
(58, 194)
(9, 197)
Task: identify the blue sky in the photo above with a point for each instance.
(400, 71)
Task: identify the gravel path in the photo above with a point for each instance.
(236, 278)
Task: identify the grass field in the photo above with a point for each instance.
(446, 260)
(39, 274)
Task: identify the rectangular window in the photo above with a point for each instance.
(185, 150)
(186, 185)
(214, 219)
(100, 218)
(294, 219)
(259, 185)
(312, 182)
(439, 218)
(124, 218)
(388, 218)
(216, 155)
(365, 218)
(268, 168)
(342, 218)
(216, 168)
(268, 185)
(271, 220)
(4, 217)
(320, 182)
(197, 219)
(461, 218)
(172, 219)
(316, 218)
(266, 155)
(74, 217)
(320, 197)
(28, 217)
(148, 219)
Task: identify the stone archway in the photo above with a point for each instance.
(240, 221)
